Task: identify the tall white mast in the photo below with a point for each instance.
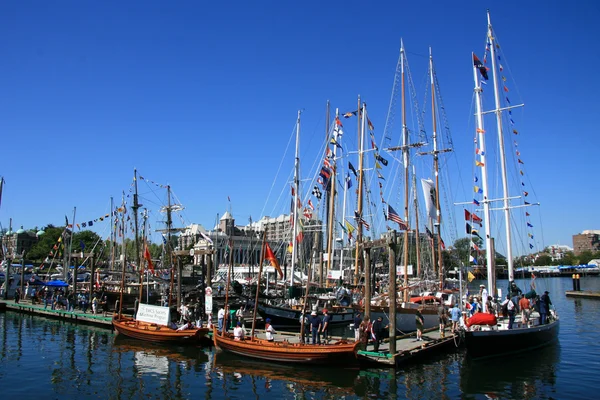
(484, 179)
(498, 112)
(296, 190)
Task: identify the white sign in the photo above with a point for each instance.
(334, 274)
(400, 270)
(208, 305)
(153, 314)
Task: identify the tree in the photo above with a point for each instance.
(543, 260)
(86, 241)
(462, 247)
(585, 257)
(46, 242)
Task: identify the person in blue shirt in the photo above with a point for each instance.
(455, 317)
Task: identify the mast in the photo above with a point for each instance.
(405, 154)
(498, 112)
(438, 214)
(296, 188)
(135, 208)
(417, 238)
(346, 180)
(361, 136)
(331, 218)
(111, 247)
(260, 266)
(484, 180)
(123, 262)
(229, 270)
(319, 238)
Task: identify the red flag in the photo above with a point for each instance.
(270, 256)
(148, 258)
(473, 217)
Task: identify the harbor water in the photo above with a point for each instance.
(50, 359)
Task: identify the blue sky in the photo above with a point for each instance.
(204, 96)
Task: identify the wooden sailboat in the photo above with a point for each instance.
(151, 323)
(496, 338)
(287, 350)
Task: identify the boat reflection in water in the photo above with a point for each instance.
(159, 359)
(530, 375)
(252, 377)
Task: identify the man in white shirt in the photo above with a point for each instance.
(510, 306)
(238, 332)
(483, 295)
(269, 330)
(220, 317)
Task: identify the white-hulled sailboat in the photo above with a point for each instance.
(493, 337)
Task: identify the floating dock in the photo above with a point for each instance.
(583, 294)
(408, 348)
(75, 316)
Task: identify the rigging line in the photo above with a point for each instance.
(290, 140)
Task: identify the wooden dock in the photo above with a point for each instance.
(408, 348)
(583, 294)
(76, 316)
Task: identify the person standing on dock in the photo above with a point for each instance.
(315, 326)
(420, 321)
(443, 319)
(455, 316)
(377, 333)
(357, 322)
(325, 326)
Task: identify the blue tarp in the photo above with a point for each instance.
(57, 283)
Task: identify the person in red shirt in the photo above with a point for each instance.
(525, 309)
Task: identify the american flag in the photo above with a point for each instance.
(394, 217)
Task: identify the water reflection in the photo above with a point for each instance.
(530, 375)
(244, 377)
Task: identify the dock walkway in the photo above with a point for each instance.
(407, 347)
(78, 316)
(585, 294)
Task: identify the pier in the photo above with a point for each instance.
(78, 316)
(408, 348)
(583, 294)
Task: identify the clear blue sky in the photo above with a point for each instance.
(203, 96)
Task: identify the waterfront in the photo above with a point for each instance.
(56, 359)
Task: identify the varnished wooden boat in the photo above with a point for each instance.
(129, 327)
(341, 352)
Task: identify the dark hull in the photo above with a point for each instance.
(342, 353)
(152, 333)
(283, 317)
(483, 344)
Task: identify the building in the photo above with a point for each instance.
(558, 251)
(588, 240)
(17, 243)
(246, 240)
